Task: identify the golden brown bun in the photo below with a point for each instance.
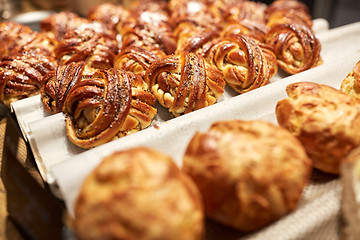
(325, 120)
(138, 194)
(250, 173)
(350, 199)
(351, 84)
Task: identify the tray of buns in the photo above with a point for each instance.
(139, 94)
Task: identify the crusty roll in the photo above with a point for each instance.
(296, 47)
(184, 83)
(21, 74)
(137, 59)
(91, 43)
(351, 84)
(324, 119)
(350, 195)
(245, 63)
(140, 194)
(250, 173)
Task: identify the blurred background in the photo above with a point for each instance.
(336, 12)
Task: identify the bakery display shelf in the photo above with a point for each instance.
(47, 132)
(64, 166)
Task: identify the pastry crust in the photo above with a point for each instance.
(250, 173)
(324, 119)
(139, 194)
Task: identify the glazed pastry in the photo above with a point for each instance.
(184, 83)
(21, 74)
(13, 37)
(289, 17)
(137, 59)
(350, 195)
(324, 119)
(351, 84)
(129, 190)
(90, 43)
(58, 24)
(148, 27)
(250, 10)
(250, 173)
(287, 11)
(104, 106)
(109, 14)
(246, 27)
(245, 63)
(295, 46)
(192, 38)
(57, 84)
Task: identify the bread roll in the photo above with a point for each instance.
(250, 173)
(351, 84)
(325, 120)
(138, 194)
(350, 201)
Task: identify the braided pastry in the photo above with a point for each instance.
(184, 83)
(351, 84)
(245, 63)
(13, 37)
(57, 84)
(149, 26)
(109, 14)
(249, 10)
(88, 43)
(286, 11)
(107, 105)
(21, 74)
(246, 27)
(137, 59)
(191, 38)
(58, 24)
(295, 46)
(289, 17)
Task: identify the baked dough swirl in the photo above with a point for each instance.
(21, 74)
(184, 83)
(137, 59)
(88, 43)
(245, 63)
(99, 105)
(295, 46)
(96, 108)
